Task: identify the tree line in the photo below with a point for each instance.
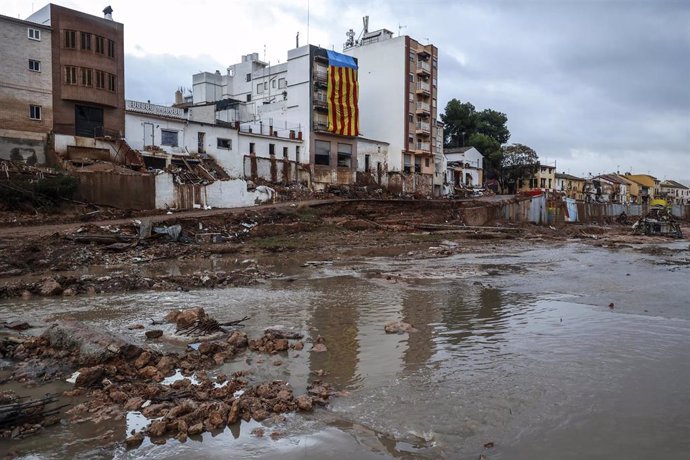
(487, 131)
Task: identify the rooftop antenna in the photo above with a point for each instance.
(297, 40)
(307, 22)
(350, 42)
(400, 28)
(365, 21)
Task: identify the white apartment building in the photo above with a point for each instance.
(290, 96)
(398, 78)
(465, 166)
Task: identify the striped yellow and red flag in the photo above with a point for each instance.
(343, 93)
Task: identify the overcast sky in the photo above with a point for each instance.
(594, 85)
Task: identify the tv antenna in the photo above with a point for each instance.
(400, 28)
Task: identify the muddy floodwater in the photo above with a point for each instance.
(516, 345)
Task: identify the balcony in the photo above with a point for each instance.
(320, 101)
(423, 87)
(320, 75)
(424, 147)
(423, 53)
(320, 124)
(423, 128)
(423, 109)
(423, 68)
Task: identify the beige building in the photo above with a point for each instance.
(572, 186)
(26, 101)
(544, 179)
(398, 80)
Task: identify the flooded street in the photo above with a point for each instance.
(515, 345)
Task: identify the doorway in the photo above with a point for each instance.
(201, 142)
(88, 121)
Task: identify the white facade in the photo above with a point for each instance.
(372, 156)
(382, 88)
(465, 166)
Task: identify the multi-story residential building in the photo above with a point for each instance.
(609, 188)
(572, 186)
(675, 192)
(26, 107)
(87, 72)
(294, 96)
(398, 101)
(647, 186)
(543, 179)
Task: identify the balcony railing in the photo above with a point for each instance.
(320, 75)
(423, 126)
(423, 86)
(424, 146)
(423, 67)
(320, 124)
(320, 100)
(423, 107)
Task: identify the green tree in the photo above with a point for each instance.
(493, 124)
(518, 161)
(460, 123)
(490, 148)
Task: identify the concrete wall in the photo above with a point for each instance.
(125, 191)
(276, 170)
(143, 130)
(220, 194)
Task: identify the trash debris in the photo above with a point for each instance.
(398, 327)
(173, 232)
(658, 221)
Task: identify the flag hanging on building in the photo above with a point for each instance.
(343, 94)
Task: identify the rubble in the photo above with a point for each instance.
(398, 327)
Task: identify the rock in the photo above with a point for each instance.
(134, 403)
(188, 317)
(304, 403)
(298, 346)
(234, 413)
(182, 437)
(142, 360)
(94, 345)
(277, 362)
(89, 376)
(91, 291)
(135, 440)
(26, 295)
(319, 348)
(157, 428)
(150, 372)
(258, 432)
(118, 397)
(154, 334)
(69, 292)
(166, 365)
(171, 317)
(182, 427)
(50, 287)
(238, 340)
(398, 327)
(282, 334)
(280, 344)
(215, 419)
(196, 429)
(132, 327)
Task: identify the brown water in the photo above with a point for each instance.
(531, 359)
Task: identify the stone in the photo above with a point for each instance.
(154, 334)
(187, 318)
(118, 396)
(89, 376)
(298, 346)
(134, 403)
(166, 365)
(142, 360)
(304, 403)
(215, 419)
(182, 427)
(150, 372)
(196, 429)
(258, 432)
(135, 440)
(319, 348)
(26, 295)
(398, 327)
(50, 287)
(157, 428)
(69, 292)
(132, 327)
(280, 345)
(234, 413)
(238, 339)
(171, 316)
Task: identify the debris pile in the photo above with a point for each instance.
(22, 417)
(658, 221)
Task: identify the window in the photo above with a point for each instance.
(411, 78)
(411, 97)
(34, 66)
(285, 152)
(35, 112)
(271, 149)
(249, 97)
(543, 182)
(417, 164)
(322, 153)
(252, 148)
(410, 117)
(86, 75)
(411, 56)
(426, 162)
(70, 39)
(34, 34)
(249, 77)
(100, 79)
(281, 83)
(407, 161)
(169, 138)
(70, 75)
(225, 144)
(366, 163)
(435, 63)
(410, 141)
(85, 41)
(259, 88)
(111, 48)
(273, 83)
(111, 82)
(100, 45)
(344, 155)
(549, 183)
(297, 153)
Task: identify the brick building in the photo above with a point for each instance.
(26, 102)
(87, 71)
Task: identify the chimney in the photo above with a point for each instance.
(178, 97)
(108, 13)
